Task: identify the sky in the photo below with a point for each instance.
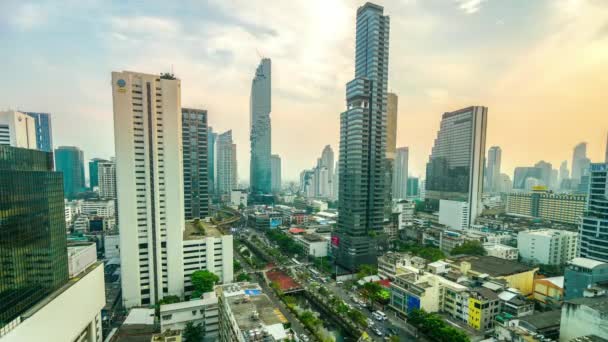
(541, 67)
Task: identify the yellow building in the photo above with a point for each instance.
(566, 208)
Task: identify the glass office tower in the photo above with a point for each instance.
(260, 164)
(33, 251)
(70, 161)
(44, 132)
(363, 141)
(195, 151)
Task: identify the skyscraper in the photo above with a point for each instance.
(493, 169)
(326, 182)
(106, 176)
(17, 129)
(363, 144)
(456, 164)
(260, 137)
(276, 172)
(94, 172)
(195, 150)
(147, 139)
(44, 131)
(391, 124)
(594, 223)
(211, 165)
(563, 173)
(33, 252)
(70, 161)
(579, 157)
(400, 182)
(522, 174)
(226, 175)
(545, 172)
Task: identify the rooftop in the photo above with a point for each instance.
(596, 303)
(208, 298)
(548, 232)
(199, 229)
(586, 263)
(313, 238)
(544, 320)
(493, 266)
(485, 293)
(143, 316)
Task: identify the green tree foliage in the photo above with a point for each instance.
(431, 325)
(243, 277)
(366, 270)
(376, 292)
(165, 300)
(357, 317)
(427, 252)
(286, 244)
(193, 333)
(236, 265)
(323, 264)
(203, 281)
(469, 248)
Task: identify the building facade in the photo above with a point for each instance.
(18, 130)
(564, 208)
(594, 225)
(149, 181)
(582, 273)
(44, 130)
(579, 161)
(195, 159)
(106, 179)
(94, 172)
(363, 144)
(456, 164)
(276, 172)
(493, 169)
(260, 132)
(226, 171)
(547, 246)
(400, 179)
(69, 160)
(202, 311)
(211, 157)
(33, 250)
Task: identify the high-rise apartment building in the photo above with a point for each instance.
(493, 169)
(413, 187)
(260, 137)
(195, 153)
(33, 250)
(17, 129)
(456, 164)
(594, 226)
(211, 165)
(70, 161)
(579, 161)
(363, 141)
(563, 173)
(94, 172)
(400, 180)
(276, 172)
(44, 131)
(226, 172)
(547, 246)
(106, 178)
(545, 172)
(147, 139)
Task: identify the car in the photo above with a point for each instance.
(377, 331)
(392, 331)
(339, 282)
(370, 323)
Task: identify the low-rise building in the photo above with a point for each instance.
(542, 326)
(238, 198)
(584, 316)
(247, 314)
(582, 273)
(501, 251)
(203, 312)
(547, 246)
(391, 264)
(314, 245)
(549, 291)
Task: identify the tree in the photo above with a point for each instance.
(469, 248)
(193, 333)
(236, 265)
(165, 300)
(366, 270)
(203, 281)
(243, 277)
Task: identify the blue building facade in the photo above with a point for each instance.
(69, 160)
(44, 135)
(260, 132)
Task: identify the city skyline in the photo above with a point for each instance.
(308, 98)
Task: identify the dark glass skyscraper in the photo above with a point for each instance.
(211, 164)
(594, 226)
(363, 141)
(33, 252)
(70, 161)
(44, 132)
(260, 106)
(94, 172)
(195, 150)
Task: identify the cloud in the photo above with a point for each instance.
(470, 6)
(29, 16)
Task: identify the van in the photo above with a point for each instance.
(379, 315)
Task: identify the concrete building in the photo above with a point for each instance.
(94, 172)
(238, 198)
(69, 160)
(545, 172)
(405, 211)
(400, 178)
(247, 314)
(226, 177)
(102, 207)
(549, 291)
(17, 129)
(195, 163)
(106, 172)
(564, 208)
(211, 158)
(275, 162)
(454, 214)
(44, 131)
(204, 311)
(582, 273)
(314, 245)
(363, 141)
(206, 249)
(493, 169)
(501, 251)
(547, 246)
(455, 171)
(594, 224)
(542, 326)
(111, 248)
(260, 131)
(522, 174)
(583, 317)
(149, 180)
(392, 264)
(579, 161)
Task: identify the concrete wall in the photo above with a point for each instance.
(581, 320)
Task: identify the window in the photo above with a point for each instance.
(167, 317)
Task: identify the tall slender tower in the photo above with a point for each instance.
(70, 161)
(226, 175)
(195, 159)
(276, 172)
(363, 145)
(579, 156)
(149, 182)
(493, 169)
(400, 175)
(260, 165)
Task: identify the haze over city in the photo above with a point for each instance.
(538, 66)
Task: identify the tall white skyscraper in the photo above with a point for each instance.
(17, 129)
(106, 175)
(493, 169)
(579, 161)
(147, 136)
(226, 176)
(400, 174)
(275, 161)
(326, 180)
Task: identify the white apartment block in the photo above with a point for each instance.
(149, 183)
(17, 129)
(406, 213)
(454, 214)
(202, 311)
(501, 251)
(107, 179)
(102, 208)
(314, 244)
(238, 197)
(547, 246)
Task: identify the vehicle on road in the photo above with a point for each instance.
(379, 315)
(377, 331)
(339, 282)
(370, 323)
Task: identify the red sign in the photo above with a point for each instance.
(335, 240)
